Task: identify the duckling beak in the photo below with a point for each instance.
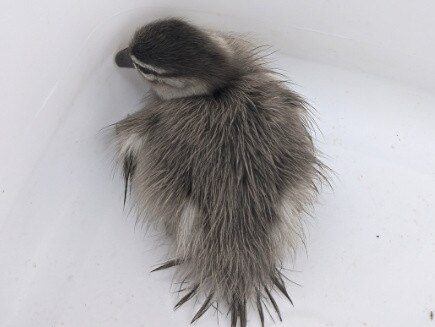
(123, 59)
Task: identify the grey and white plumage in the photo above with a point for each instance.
(222, 159)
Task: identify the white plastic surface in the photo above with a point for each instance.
(69, 254)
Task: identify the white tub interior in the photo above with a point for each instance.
(70, 255)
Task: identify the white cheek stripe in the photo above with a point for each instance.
(149, 77)
(147, 66)
(172, 81)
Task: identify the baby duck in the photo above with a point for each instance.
(222, 159)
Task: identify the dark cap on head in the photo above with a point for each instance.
(181, 49)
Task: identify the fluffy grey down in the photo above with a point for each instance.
(222, 159)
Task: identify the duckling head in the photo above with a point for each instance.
(179, 59)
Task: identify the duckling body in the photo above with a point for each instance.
(222, 159)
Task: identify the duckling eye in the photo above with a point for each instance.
(146, 70)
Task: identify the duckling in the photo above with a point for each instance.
(221, 158)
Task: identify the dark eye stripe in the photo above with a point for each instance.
(147, 71)
(152, 72)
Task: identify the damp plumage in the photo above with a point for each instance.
(222, 160)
